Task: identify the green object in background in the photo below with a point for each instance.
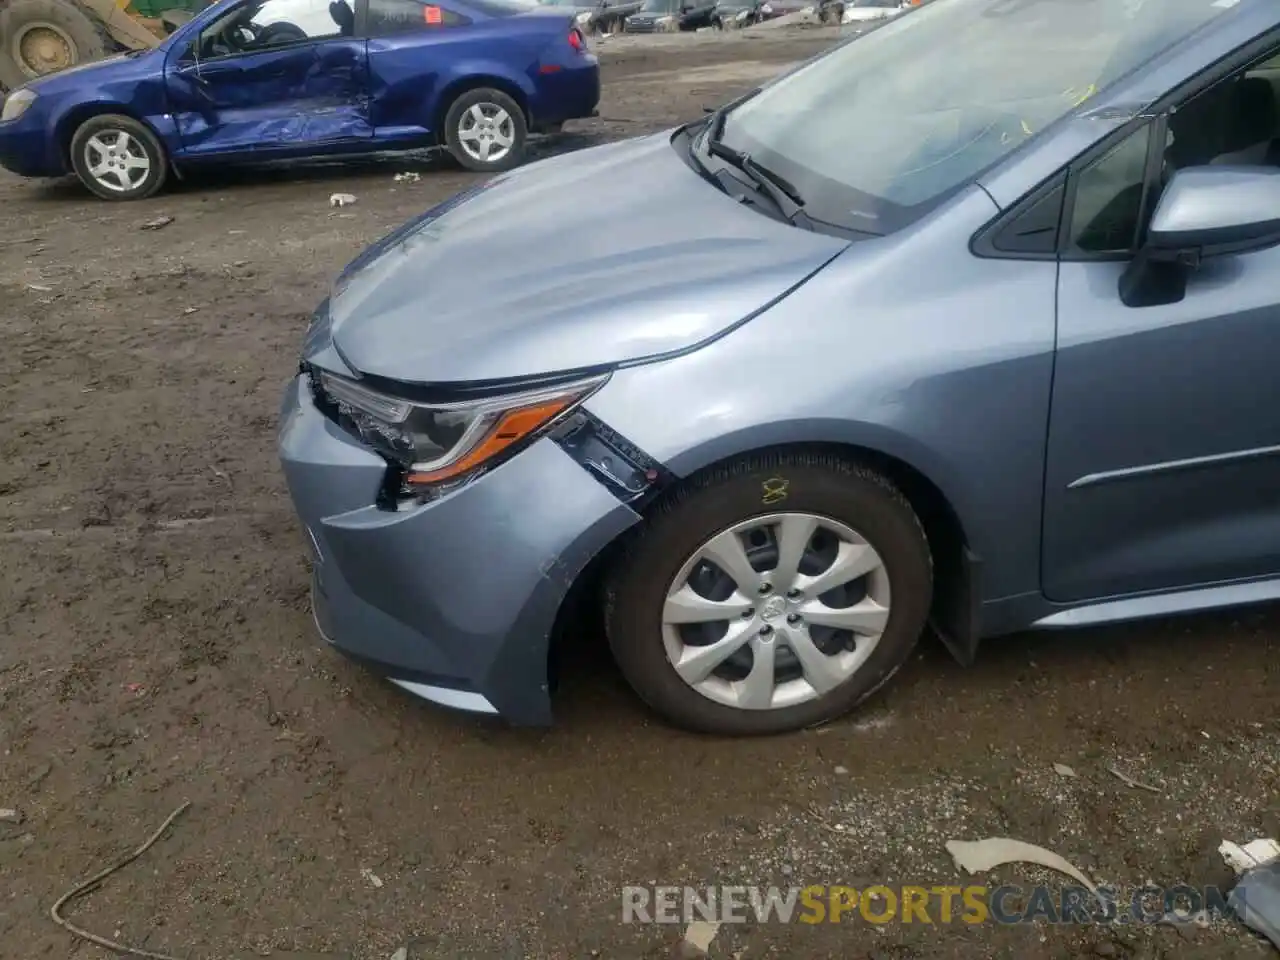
(153, 8)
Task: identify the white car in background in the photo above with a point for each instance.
(860, 11)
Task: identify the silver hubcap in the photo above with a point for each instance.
(116, 160)
(776, 611)
(487, 132)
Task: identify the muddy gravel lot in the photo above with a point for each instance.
(157, 647)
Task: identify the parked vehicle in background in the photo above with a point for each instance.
(606, 16)
(40, 37)
(985, 340)
(744, 13)
(669, 16)
(862, 10)
(255, 80)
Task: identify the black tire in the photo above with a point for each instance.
(103, 126)
(88, 38)
(817, 484)
(452, 130)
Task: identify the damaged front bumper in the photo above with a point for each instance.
(453, 600)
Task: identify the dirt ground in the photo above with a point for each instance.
(157, 647)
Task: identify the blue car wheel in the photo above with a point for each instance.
(118, 158)
(485, 131)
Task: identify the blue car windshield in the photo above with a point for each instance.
(884, 128)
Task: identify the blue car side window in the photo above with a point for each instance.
(392, 17)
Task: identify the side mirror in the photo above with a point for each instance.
(1204, 212)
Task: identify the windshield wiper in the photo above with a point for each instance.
(777, 188)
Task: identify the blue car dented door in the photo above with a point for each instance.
(273, 76)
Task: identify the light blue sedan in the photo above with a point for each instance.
(972, 323)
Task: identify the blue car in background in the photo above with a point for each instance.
(257, 80)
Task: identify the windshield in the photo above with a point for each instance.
(658, 6)
(887, 126)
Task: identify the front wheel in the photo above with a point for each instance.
(118, 158)
(773, 595)
(485, 131)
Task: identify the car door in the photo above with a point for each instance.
(272, 76)
(1163, 462)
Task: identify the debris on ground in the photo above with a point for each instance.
(410, 177)
(1062, 770)
(700, 933)
(401, 954)
(8, 815)
(372, 877)
(159, 223)
(96, 880)
(1129, 781)
(1256, 898)
(342, 199)
(1255, 853)
(39, 288)
(981, 856)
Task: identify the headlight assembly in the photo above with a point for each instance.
(16, 104)
(439, 444)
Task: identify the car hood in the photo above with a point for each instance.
(82, 71)
(609, 255)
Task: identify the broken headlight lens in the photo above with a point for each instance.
(439, 443)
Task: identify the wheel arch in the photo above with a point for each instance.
(957, 567)
(475, 81)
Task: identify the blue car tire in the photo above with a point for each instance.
(118, 158)
(814, 574)
(485, 130)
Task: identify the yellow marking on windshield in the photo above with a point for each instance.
(1093, 88)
